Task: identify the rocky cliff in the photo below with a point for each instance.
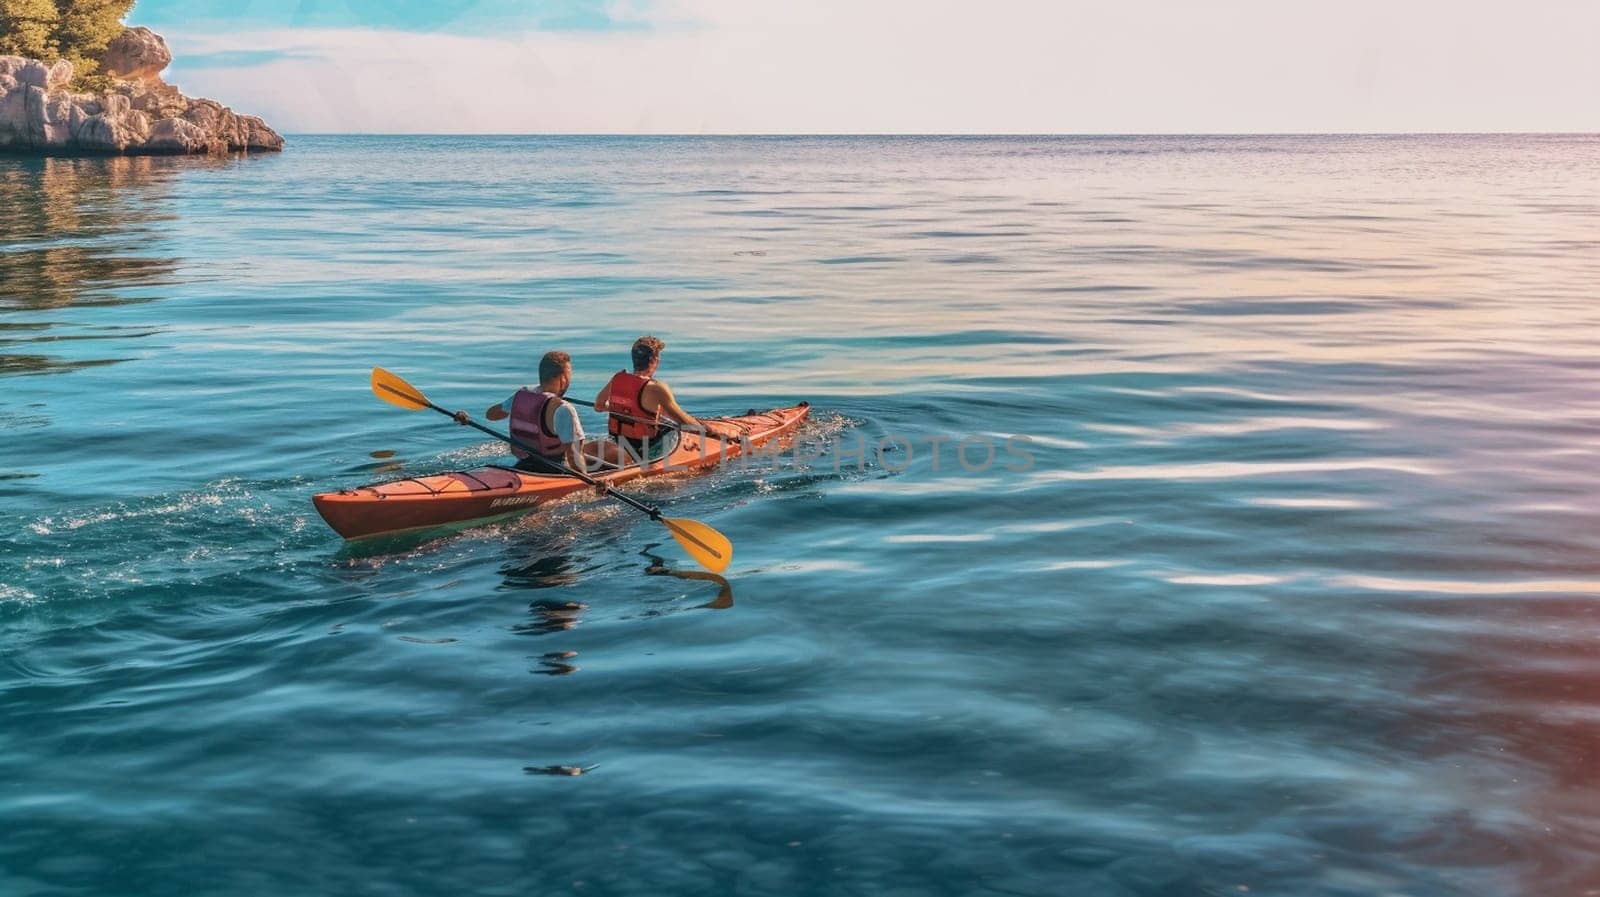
(138, 115)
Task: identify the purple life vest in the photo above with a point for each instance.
(527, 425)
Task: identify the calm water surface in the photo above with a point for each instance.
(1301, 595)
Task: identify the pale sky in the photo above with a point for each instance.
(890, 66)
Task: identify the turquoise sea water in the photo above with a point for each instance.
(1301, 595)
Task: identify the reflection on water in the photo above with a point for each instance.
(1537, 684)
(1298, 599)
(658, 567)
(550, 617)
(78, 232)
(557, 663)
(83, 230)
(544, 571)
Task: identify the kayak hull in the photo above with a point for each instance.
(467, 496)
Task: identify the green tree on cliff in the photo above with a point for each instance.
(75, 30)
(85, 27)
(27, 28)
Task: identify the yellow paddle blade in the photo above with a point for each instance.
(396, 391)
(709, 548)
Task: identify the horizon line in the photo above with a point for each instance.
(977, 134)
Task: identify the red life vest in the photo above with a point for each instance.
(527, 424)
(626, 404)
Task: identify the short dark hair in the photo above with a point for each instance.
(553, 365)
(645, 350)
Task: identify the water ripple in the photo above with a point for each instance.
(1295, 596)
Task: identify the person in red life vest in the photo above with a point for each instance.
(640, 407)
(542, 420)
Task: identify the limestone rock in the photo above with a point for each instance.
(46, 119)
(33, 73)
(56, 124)
(140, 114)
(210, 115)
(174, 135)
(157, 98)
(105, 133)
(59, 75)
(137, 54)
(11, 97)
(257, 136)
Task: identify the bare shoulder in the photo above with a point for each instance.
(656, 392)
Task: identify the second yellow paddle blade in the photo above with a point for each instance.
(396, 391)
(709, 548)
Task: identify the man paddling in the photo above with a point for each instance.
(637, 403)
(542, 420)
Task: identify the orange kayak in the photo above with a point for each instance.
(485, 493)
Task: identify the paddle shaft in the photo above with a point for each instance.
(397, 391)
(654, 513)
(702, 432)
